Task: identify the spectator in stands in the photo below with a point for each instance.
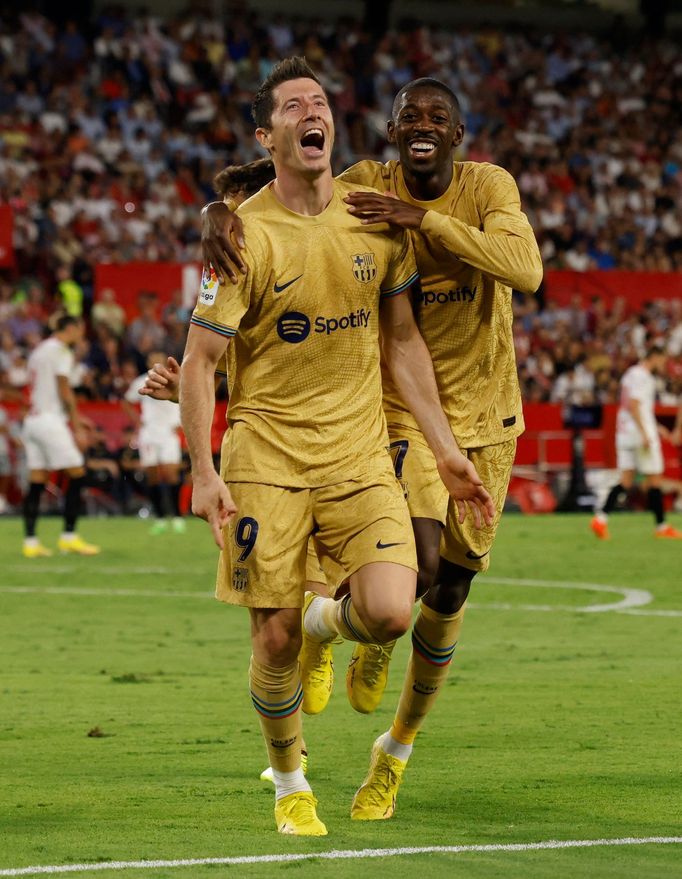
(106, 312)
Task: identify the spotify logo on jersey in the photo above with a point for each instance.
(293, 327)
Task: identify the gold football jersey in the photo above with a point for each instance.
(464, 310)
(304, 374)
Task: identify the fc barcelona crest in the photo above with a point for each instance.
(240, 579)
(364, 267)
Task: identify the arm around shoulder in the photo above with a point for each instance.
(505, 248)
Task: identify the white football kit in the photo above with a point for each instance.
(46, 434)
(638, 384)
(160, 419)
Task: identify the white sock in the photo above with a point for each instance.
(289, 783)
(313, 621)
(31, 541)
(662, 526)
(396, 749)
(68, 535)
(603, 517)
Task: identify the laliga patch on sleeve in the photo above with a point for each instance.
(209, 287)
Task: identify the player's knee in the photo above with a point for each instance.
(280, 644)
(451, 590)
(390, 625)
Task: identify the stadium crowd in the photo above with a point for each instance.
(110, 138)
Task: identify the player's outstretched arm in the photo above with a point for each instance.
(222, 239)
(211, 499)
(163, 381)
(409, 363)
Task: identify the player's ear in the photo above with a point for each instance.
(264, 138)
(458, 135)
(390, 131)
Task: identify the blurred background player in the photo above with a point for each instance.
(638, 444)
(49, 442)
(158, 422)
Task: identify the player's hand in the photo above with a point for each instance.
(212, 501)
(676, 437)
(466, 489)
(163, 381)
(222, 237)
(646, 442)
(372, 207)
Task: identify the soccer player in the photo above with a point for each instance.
(160, 453)
(638, 445)
(473, 245)
(306, 447)
(49, 442)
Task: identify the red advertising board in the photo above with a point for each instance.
(635, 287)
(6, 234)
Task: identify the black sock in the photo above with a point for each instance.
(156, 500)
(175, 498)
(72, 503)
(32, 507)
(613, 498)
(655, 503)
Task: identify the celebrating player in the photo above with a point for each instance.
(473, 244)
(306, 448)
(638, 444)
(49, 443)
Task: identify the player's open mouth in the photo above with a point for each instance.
(312, 143)
(422, 148)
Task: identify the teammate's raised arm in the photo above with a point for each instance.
(409, 363)
(222, 235)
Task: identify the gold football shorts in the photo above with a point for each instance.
(415, 468)
(356, 522)
(465, 544)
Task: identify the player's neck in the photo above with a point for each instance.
(308, 196)
(428, 187)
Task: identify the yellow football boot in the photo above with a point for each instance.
(295, 814)
(317, 668)
(35, 551)
(367, 675)
(76, 545)
(375, 799)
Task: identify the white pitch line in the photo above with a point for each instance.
(107, 593)
(633, 601)
(347, 854)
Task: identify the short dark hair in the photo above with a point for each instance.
(432, 83)
(64, 321)
(244, 178)
(263, 102)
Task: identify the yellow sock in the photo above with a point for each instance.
(434, 638)
(277, 695)
(342, 618)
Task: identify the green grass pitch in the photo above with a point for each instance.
(556, 723)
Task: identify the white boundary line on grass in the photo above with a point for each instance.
(347, 854)
(633, 601)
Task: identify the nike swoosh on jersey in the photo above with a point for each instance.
(381, 545)
(278, 288)
(474, 557)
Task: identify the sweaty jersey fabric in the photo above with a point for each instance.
(48, 360)
(474, 240)
(305, 392)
